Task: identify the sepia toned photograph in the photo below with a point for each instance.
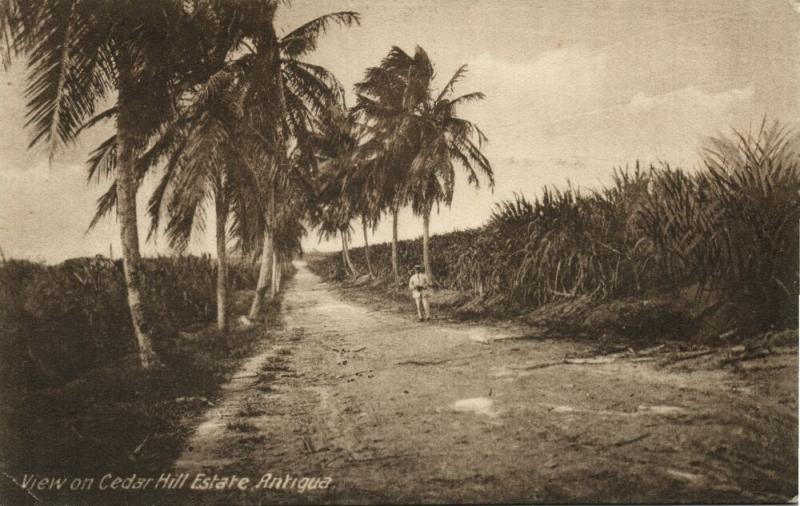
(399, 252)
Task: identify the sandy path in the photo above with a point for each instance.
(399, 411)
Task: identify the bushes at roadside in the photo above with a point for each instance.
(59, 320)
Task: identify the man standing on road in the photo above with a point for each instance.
(420, 284)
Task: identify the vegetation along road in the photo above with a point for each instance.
(393, 410)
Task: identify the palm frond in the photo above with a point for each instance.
(69, 72)
(448, 88)
(468, 97)
(98, 118)
(303, 39)
(103, 159)
(105, 204)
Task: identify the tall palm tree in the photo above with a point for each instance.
(364, 189)
(387, 93)
(353, 175)
(288, 231)
(206, 163)
(344, 180)
(334, 219)
(424, 126)
(283, 95)
(79, 53)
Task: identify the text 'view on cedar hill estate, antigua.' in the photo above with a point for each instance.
(399, 252)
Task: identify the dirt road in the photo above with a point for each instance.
(394, 410)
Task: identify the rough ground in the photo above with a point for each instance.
(394, 410)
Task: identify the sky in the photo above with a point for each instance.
(573, 89)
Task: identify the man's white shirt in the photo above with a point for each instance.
(419, 281)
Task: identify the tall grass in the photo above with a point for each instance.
(564, 244)
(734, 226)
(57, 320)
(728, 229)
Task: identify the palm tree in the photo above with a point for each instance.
(444, 138)
(288, 232)
(335, 211)
(335, 219)
(367, 190)
(354, 173)
(205, 163)
(283, 94)
(80, 52)
(344, 180)
(385, 95)
(425, 124)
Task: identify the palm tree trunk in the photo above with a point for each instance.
(344, 260)
(349, 259)
(129, 235)
(263, 275)
(395, 262)
(275, 273)
(266, 259)
(281, 268)
(346, 255)
(426, 257)
(222, 261)
(366, 248)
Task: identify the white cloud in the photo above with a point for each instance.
(550, 64)
(668, 126)
(559, 82)
(692, 97)
(522, 98)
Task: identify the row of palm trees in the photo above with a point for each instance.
(206, 93)
(398, 146)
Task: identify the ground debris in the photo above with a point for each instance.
(423, 362)
(680, 357)
(141, 445)
(628, 354)
(195, 398)
(244, 376)
(625, 442)
(606, 359)
(649, 351)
